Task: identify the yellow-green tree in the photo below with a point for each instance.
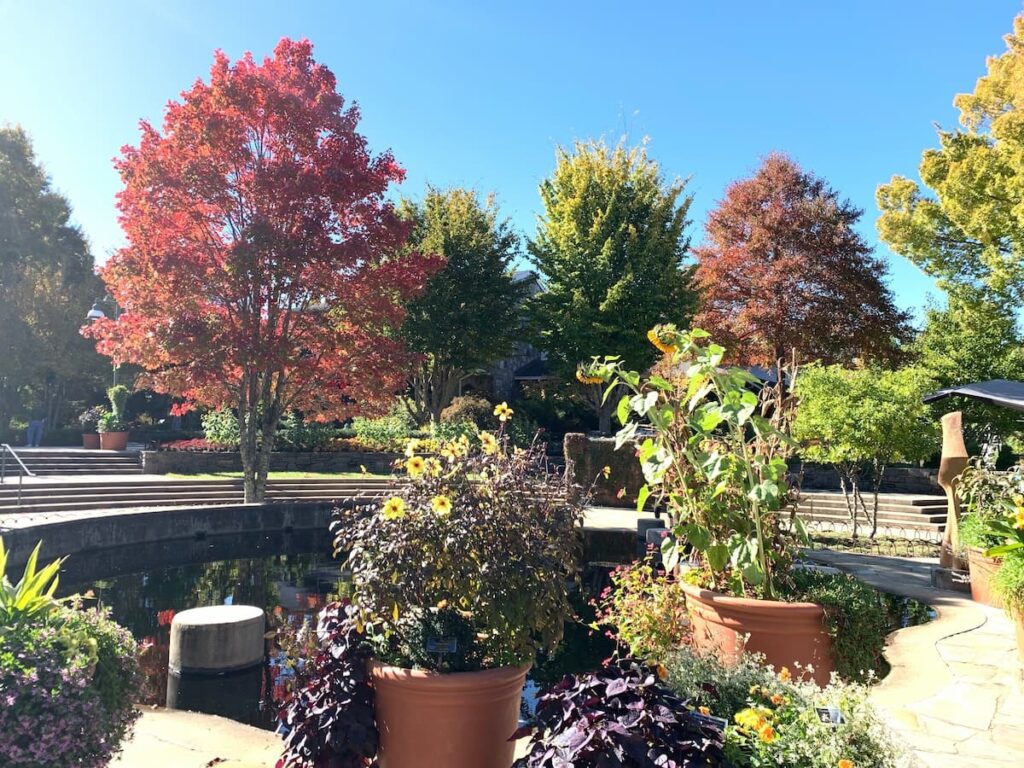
(966, 226)
(610, 246)
(47, 285)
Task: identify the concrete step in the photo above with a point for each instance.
(914, 524)
(157, 496)
(913, 499)
(909, 509)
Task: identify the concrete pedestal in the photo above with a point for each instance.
(216, 661)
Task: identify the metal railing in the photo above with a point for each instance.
(22, 469)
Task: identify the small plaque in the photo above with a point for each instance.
(442, 645)
(830, 715)
(715, 722)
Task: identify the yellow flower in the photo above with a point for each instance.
(704, 711)
(362, 468)
(488, 442)
(655, 337)
(448, 452)
(441, 505)
(776, 699)
(844, 763)
(433, 466)
(415, 466)
(583, 377)
(411, 446)
(606, 471)
(1018, 518)
(503, 412)
(784, 675)
(766, 733)
(394, 509)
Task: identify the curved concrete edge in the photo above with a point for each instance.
(164, 737)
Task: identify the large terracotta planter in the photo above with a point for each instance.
(982, 570)
(789, 635)
(460, 719)
(90, 440)
(113, 441)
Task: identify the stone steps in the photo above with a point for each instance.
(911, 511)
(50, 462)
(56, 497)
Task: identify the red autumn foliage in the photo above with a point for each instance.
(263, 269)
(784, 270)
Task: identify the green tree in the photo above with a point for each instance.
(47, 285)
(469, 314)
(862, 420)
(974, 338)
(968, 231)
(610, 246)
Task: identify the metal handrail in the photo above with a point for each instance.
(5, 448)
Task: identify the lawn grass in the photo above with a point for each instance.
(277, 476)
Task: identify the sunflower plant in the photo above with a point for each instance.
(470, 553)
(712, 443)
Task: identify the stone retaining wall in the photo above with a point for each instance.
(193, 462)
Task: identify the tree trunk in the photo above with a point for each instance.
(848, 484)
(878, 472)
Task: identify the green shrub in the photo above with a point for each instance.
(773, 721)
(1008, 583)
(384, 434)
(646, 610)
(296, 434)
(858, 618)
(449, 431)
(221, 428)
(974, 534)
(471, 408)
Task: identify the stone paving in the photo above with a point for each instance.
(955, 691)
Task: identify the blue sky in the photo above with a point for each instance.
(479, 94)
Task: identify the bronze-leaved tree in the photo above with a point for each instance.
(783, 270)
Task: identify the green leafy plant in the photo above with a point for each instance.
(486, 532)
(387, 433)
(220, 427)
(773, 719)
(109, 422)
(471, 408)
(716, 459)
(646, 610)
(1008, 583)
(296, 434)
(33, 596)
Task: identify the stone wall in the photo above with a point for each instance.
(818, 477)
(194, 462)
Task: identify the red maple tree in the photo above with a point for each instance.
(783, 271)
(263, 269)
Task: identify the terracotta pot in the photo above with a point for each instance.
(789, 635)
(982, 570)
(460, 719)
(90, 440)
(113, 441)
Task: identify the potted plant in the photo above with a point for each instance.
(986, 494)
(716, 460)
(113, 426)
(89, 419)
(1007, 529)
(456, 582)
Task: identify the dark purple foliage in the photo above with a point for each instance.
(329, 722)
(619, 716)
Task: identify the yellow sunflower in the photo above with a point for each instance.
(766, 733)
(488, 442)
(584, 377)
(655, 336)
(394, 509)
(415, 466)
(441, 505)
(411, 446)
(1018, 518)
(503, 412)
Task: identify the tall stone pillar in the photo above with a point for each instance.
(952, 464)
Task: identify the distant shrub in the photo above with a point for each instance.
(296, 434)
(471, 408)
(385, 434)
(221, 428)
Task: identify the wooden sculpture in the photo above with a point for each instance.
(952, 464)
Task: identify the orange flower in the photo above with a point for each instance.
(654, 336)
(784, 675)
(766, 734)
(777, 699)
(704, 711)
(844, 763)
